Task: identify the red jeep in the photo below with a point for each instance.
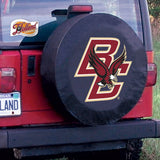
(76, 77)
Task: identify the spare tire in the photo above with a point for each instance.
(96, 66)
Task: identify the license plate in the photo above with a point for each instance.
(10, 104)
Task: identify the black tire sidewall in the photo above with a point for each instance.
(65, 56)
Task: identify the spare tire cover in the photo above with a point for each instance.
(98, 66)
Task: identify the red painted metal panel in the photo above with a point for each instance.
(33, 97)
(32, 118)
(144, 106)
(35, 106)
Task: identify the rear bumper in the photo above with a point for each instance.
(67, 135)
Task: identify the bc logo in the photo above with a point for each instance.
(99, 61)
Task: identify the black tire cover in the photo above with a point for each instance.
(98, 67)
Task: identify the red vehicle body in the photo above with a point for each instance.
(36, 108)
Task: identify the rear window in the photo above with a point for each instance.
(39, 23)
